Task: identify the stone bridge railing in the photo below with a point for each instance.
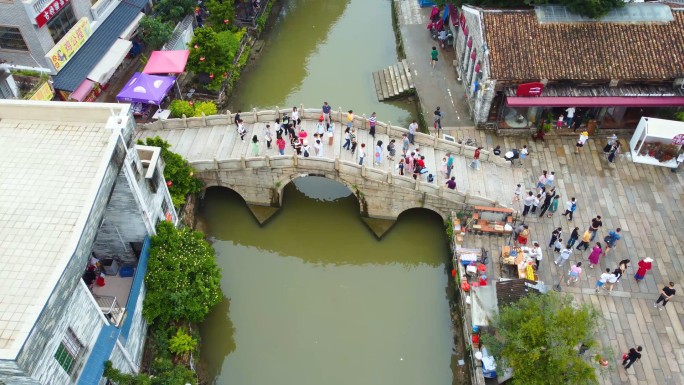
(360, 122)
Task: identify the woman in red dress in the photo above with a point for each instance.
(644, 266)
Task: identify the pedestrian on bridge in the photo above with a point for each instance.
(405, 144)
(241, 130)
(347, 139)
(412, 128)
(267, 136)
(280, 142)
(350, 118)
(302, 136)
(450, 164)
(331, 134)
(326, 112)
(392, 150)
(255, 145)
(362, 153)
(295, 117)
(378, 153)
(372, 121)
(438, 119)
(352, 135)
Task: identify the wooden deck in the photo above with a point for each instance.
(223, 142)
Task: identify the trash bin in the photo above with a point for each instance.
(110, 266)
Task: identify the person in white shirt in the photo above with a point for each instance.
(295, 117)
(318, 147)
(529, 201)
(267, 136)
(362, 153)
(571, 114)
(518, 192)
(523, 154)
(602, 280)
(536, 253)
(570, 207)
(535, 203)
(564, 255)
(612, 280)
(550, 178)
(581, 141)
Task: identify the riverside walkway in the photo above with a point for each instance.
(213, 144)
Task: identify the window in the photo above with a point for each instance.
(69, 351)
(11, 38)
(61, 23)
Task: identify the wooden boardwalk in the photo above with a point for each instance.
(222, 142)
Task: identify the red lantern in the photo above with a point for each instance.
(169, 183)
(196, 46)
(465, 286)
(225, 21)
(192, 103)
(453, 272)
(168, 217)
(211, 76)
(481, 268)
(201, 59)
(192, 174)
(225, 74)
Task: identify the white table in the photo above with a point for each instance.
(161, 114)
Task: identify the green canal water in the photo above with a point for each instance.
(314, 298)
(325, 50)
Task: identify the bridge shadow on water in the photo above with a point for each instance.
(319, 222)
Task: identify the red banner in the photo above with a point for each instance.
(50, 11)
(530, 89)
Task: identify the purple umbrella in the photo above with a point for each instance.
(144, 88)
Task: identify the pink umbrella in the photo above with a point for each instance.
(166, 62)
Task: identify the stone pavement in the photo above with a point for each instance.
(646, 202)
(435, 86)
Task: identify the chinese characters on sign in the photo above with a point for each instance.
(50, 11)
(678, 140)
(65, 49)
(43, 93)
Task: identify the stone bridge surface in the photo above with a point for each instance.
(213, 147)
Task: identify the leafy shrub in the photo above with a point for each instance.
(174, 10)
(208, 107)
(155, 32)
(183, 280)
(180, 107)
(680, 116)
(176, 171)
(163, 370)
(182, 343)
(214, 54)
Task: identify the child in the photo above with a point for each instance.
(331, 130)
(241, 130)
(560, 122)
(523, 154)
(575, 271)
(352, 136)
(574, 236)
(286, 120)
(350, 118)
(518, 192)
(558, 245)
(431, 179)
(400, 167)
(443, 166)
(306, 148)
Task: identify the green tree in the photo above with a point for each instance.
(179, 108)
(155, 32)
(214, 54)
(174, 10)
(539, 337)
(208, 107)
(183, 280)
(221, 15)
(176, 171)
(182, 343)
(164, 372)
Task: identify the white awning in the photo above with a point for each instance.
(127, 34)
(110, 61)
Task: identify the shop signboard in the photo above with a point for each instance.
(43, 93)
(66, 48)
(678, 140)
(530, 89)
(50, 11)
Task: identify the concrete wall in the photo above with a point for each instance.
(136, 338)
(62, 111)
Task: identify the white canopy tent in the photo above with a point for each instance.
(110, 61)
(651, 131)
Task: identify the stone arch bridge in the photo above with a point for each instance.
(213, 147)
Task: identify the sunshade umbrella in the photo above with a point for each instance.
(144, 88)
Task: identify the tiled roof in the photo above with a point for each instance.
(49, 170)
(520, 48)
(76, 70)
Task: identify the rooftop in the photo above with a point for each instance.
(51, 169)
(522, 48)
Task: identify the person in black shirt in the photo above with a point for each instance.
(665, 295)
(632, 357)
(595, 225)
(237, 117)
(497, 151)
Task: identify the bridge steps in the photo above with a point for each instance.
(223, 142)
(394, 81)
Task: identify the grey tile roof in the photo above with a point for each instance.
(76, 70)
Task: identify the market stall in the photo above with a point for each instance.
(145, 91)
(657, 142)
(167, 62)
(492, 220)
(519, 262)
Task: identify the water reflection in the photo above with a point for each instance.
(315, 298)
(325, 51)
(336, 224)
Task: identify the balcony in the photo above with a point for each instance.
(110, 308)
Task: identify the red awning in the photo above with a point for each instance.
(166, 62)
(586, 101)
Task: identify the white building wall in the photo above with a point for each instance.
(136, 337)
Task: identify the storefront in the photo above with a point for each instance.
(522, 69)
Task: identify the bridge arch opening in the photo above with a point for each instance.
(320, 187)
(426, 208)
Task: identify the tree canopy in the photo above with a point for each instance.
(174, 10)
(539, 337)
(155, 32)
(590, 8)
(221, 15)
(214, 54)
(183, 280)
